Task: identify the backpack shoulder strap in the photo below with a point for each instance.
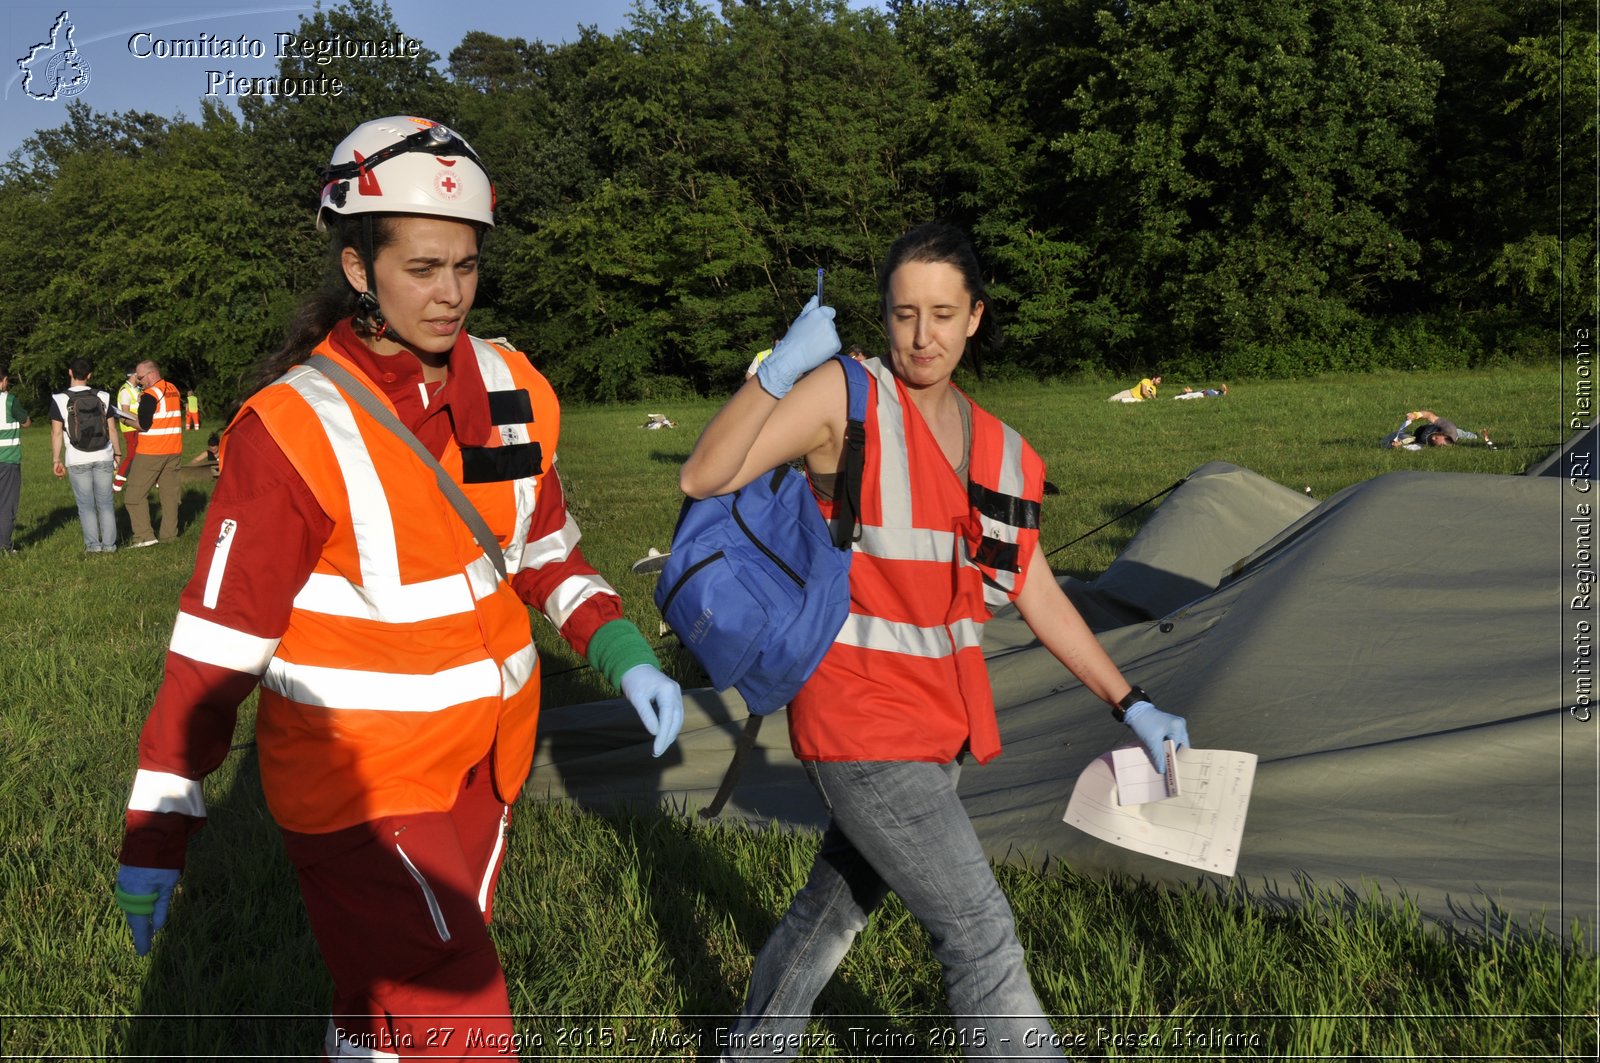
(852, 462)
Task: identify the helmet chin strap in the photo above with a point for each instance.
(370, 321)
(369, 315)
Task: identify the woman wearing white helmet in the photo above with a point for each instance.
(384, 621)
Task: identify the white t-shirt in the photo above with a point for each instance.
(71, 455)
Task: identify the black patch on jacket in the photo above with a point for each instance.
(992, 553)
(510, 407)
(487, 465)
(1007, 509)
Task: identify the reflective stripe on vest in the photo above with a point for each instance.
(380, 595)
(10, 427)
(165, 434)
(128, 402)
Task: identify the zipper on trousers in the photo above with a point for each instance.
(427, 895)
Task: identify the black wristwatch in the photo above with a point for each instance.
(1129, 700)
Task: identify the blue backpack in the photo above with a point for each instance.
(756, 586)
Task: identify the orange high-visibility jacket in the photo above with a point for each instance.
(905, 678)
(165, 434)
(406, 656)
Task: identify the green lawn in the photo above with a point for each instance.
(632, 936)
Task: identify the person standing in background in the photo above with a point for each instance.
(13, 418)
(84, 447)
(156, 464)
(191, 411)
(127, 424)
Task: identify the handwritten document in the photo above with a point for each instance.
(1201, 827)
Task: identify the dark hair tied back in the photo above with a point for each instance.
(937, 241)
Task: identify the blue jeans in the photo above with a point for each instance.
(896, 825)
(91, 486)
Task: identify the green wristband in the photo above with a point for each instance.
(136, 903)
(617, 647)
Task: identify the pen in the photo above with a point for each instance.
(819, 285)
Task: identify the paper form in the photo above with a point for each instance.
(1137, 778)
(1202, 827)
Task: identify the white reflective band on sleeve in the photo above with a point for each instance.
(518, 669)
(211, 643)
(348, 688)
(393, 603)
(571, 593)
(219, 563)
(894, 462)
(555, 547)
(160, 791)
(907, 544)
(875, 633)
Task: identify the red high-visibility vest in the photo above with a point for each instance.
(905, 678)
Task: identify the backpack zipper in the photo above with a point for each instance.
(776, 560)
(666, 602)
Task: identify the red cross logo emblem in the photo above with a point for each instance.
(445, 186)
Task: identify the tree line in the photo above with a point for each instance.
(1218, 188)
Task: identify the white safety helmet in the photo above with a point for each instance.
(404, 165)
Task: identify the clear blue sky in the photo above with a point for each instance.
(118, 80)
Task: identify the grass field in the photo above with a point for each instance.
(633, 936)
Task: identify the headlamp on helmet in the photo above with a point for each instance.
(404, 165)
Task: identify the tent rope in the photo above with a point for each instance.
(1119, 516)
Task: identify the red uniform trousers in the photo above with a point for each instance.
(130, 444)
(400, 908)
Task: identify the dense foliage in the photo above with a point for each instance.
(1211, 187)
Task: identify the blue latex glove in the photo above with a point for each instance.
(1154, 727)
(143, 894)
(657, 700)
(810, 341)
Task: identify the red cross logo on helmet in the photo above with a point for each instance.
(424, 168)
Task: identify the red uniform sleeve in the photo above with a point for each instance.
(554, 577)
(263, 534)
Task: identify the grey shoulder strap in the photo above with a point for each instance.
(364, 397)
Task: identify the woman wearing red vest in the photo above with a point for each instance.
(949, 533)
(391, 644)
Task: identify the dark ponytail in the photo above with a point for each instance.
(333, 301)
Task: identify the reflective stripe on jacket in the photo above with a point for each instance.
(905, 679)
(10, 428)
(406, 656)
(165, 434)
